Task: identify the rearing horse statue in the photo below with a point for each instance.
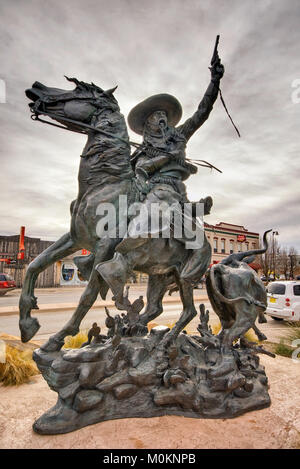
(105, 173)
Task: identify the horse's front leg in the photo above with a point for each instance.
(104, 252)
(61, 248)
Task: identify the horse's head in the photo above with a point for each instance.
(79, 104)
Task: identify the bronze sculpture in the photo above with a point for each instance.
(106, 172)
(132, 372)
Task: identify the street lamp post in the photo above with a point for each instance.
(274, 233)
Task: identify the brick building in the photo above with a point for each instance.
(226, 238)
(9, 248)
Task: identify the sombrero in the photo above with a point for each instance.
(158, 102)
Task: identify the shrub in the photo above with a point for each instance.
(77, 340)
(18, 368)
(283, 349)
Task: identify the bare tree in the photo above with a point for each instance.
(293, 261)
(284, 262)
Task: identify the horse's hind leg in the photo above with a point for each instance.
(259, 334)
(188, 312)
(157, 287)
(61, 248)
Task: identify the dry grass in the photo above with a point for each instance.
(77, 340)
(293, 331)
(151, 324)
(250, 335)
(18, 368)
(284, 348)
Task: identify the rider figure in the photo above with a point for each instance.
(160, 164)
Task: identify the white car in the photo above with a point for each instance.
(284, 300)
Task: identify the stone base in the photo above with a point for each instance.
(138, 377)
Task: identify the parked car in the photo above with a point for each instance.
(6, 284)
(284, 300)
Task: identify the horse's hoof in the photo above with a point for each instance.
(28, 328)
(262, 337)
(53, 345)
(167, 340)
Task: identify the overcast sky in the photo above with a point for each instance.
(149, 47)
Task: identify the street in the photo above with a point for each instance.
(52, 322)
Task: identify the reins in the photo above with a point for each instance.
(35, 117)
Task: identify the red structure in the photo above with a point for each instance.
(21, 253)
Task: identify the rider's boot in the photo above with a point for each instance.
(197, 263)
(115, 274)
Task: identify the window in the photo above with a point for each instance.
(215, 245)
(296, 290)
(231, 247)
(239, 247)
(2, 278)
(276, 288)
(223, 246)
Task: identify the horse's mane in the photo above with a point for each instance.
(114, 152)
(82, 85)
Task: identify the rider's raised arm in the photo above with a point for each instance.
(204, 109)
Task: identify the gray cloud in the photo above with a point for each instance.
(147, 48)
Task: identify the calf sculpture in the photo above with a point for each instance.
(237, 294)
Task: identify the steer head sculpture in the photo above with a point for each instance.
(237, 294)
